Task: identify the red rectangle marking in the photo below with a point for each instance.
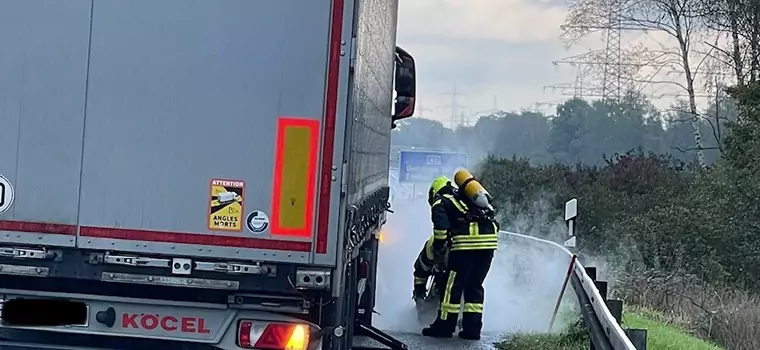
(294, 183)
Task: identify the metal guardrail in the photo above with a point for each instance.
(604, 328)
(613, 332)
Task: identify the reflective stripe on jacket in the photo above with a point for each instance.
(453, 223)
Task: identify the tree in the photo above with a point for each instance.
(743, 144)
(679, 134)
(518, 135)
(677, 18)
(740, 20)
(571, 128)
(422, 133)
(584, 133)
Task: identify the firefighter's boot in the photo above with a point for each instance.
(437, 332)
(440, 329)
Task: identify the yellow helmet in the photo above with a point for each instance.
(435, 187)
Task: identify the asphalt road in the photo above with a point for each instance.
(416, 341)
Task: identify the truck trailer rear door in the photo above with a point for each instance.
(203, 127)
(202, 131)
(42, 97)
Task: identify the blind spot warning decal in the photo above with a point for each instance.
(225, 212)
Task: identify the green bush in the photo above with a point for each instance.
(666, 215)
(653, 210)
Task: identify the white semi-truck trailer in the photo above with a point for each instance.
(207, 174)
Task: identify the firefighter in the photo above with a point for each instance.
(469, 230)
(423, 269)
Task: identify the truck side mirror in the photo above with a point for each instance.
(405, 86)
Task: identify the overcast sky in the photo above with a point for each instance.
(494, 52)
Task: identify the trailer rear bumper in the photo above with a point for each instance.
(116, 323)
(22, 345)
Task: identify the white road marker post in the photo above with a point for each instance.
(571, 213)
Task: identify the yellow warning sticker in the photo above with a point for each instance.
(225, 211)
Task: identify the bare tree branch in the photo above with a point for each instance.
(702, 61)
(684, 150)
(682, 86)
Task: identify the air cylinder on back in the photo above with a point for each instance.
(472, 189)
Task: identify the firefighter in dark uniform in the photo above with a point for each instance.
(423, 268)
(468, 230)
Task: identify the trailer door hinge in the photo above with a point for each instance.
(352, 51)
(185, 266)
(343, 179)
(234, 268)
(25, 253)
(136, 261)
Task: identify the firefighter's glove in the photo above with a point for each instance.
(439, 268)
(439, 257)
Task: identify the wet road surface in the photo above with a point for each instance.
(416, 341)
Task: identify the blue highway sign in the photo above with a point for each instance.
(424, 166)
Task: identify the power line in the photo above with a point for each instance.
(656, 96)
(422, 109)
(605, 27)
(454, 105)
(578, 85)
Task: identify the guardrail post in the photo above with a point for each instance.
(602, 287)
(616, 309)
(591, 272)
(638, 337)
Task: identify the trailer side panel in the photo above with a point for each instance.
(373, 89)
(42, 95)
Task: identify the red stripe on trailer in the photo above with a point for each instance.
(38, 227)
(193, 238)
(331, 109)
(154, 236)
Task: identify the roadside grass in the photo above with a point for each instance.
(542, 342)
(661, 334)
(574, 337)
(727, 317)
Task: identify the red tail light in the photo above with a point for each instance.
(364, 269)
(244, 334)
(273, 336)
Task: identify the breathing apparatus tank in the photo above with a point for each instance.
(473, 190)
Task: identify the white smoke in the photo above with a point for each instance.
(521, 289)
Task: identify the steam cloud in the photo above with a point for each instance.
(521, 288)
